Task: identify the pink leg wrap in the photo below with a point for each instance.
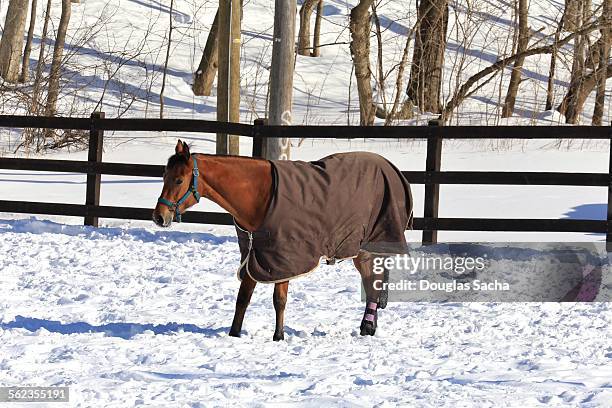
(369, 316)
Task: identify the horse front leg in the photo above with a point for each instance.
(371, 281)
(280, 300)
(247, 286)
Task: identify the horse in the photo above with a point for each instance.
(251, 191)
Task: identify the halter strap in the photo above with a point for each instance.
(193, 189)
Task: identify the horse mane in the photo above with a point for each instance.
(177, 159)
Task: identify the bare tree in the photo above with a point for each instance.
(25, 65)
(425, 81)
(571, 107)
(228, 87)
(578, 95)
(35, 105)
(11, 43)
(399, 110)
(465, 90)
(316, 49)
(553, 64)
(573, 14)
(522, 44)
(380, 72)
(304, 33)
(204, 77)
(604, 53)
(360, 52)
(165, 73)
(56, 62)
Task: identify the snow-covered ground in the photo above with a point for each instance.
(139, 317)
(129, 314)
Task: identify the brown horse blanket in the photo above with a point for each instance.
(329, 208)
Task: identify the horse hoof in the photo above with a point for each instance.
(367, 329)
(278, 336)
(234, 334)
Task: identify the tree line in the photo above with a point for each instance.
(591, 65)
(583, 26)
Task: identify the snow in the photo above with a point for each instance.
(139, 317)
(129, 314)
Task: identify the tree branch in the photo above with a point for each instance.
(463, 91)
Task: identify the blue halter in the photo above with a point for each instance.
(193, 189)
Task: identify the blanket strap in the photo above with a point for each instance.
(246, 258)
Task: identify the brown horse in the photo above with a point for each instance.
(244, 188)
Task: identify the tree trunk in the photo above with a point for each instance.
(604, 53)
(523, 43)
(11, 43)
(571, 108)
(360, 51)
(551, 72)
(580, 95)
(207, 70)
(425, 81)
(573, 15)
(35, 107)
(228, 89)
(25, 64)
(58, 51)
(316, 49)
(593, 55)
(281, 77)
(304, 34)
(165, 73)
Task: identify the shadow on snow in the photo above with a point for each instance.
(122, 330)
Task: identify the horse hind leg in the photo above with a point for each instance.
(247, 286)
(383, 296)
(280, 300)
(372, 282)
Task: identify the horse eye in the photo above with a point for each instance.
(179, 181)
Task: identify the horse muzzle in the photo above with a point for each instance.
(162, 220)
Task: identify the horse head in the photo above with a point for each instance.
(180, 190)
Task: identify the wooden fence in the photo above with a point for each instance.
(431, 177)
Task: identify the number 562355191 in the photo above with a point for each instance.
(34, 394)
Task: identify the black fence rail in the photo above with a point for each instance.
(431, 177)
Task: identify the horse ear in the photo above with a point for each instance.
(179, 147)
(186, 150)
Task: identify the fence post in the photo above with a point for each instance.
(258, 139)
(96, 139)
(432, 191)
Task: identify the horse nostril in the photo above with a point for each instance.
(159, 219)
